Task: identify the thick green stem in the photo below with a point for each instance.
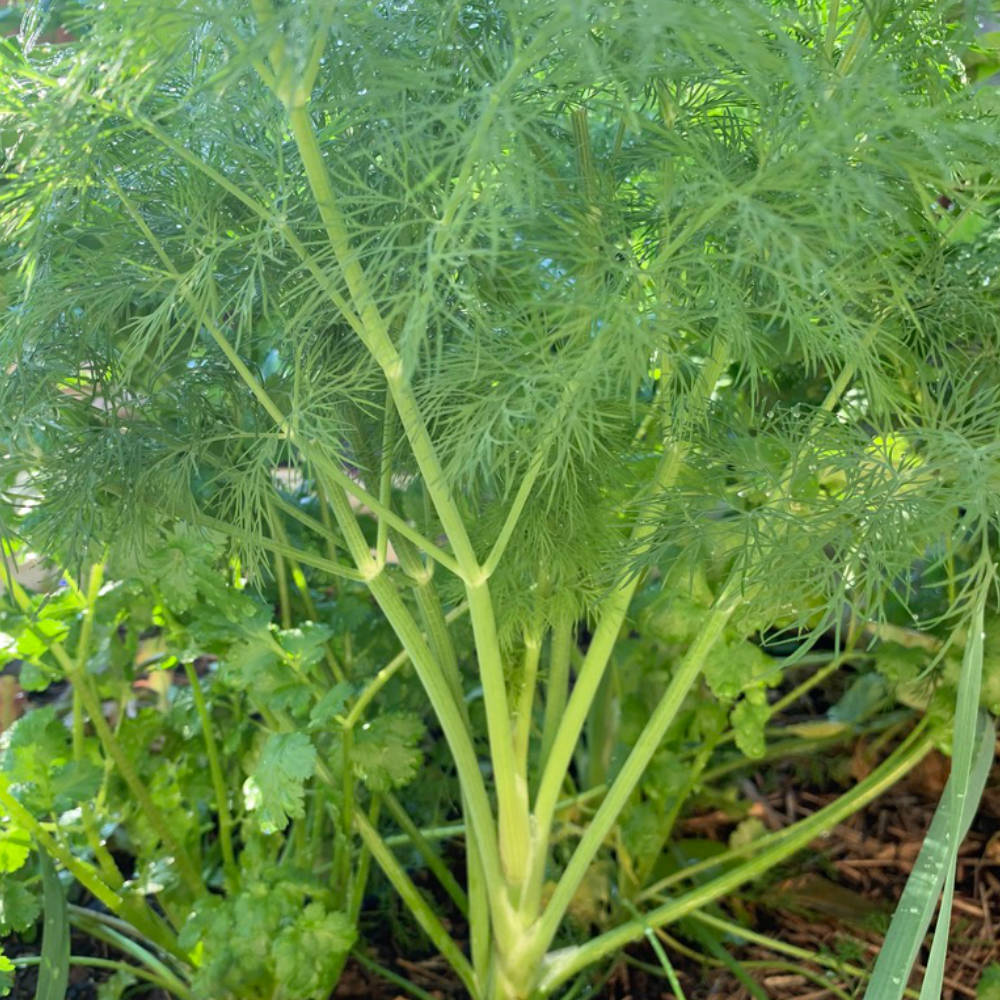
(385, 478)
(632, 770)
(337, 475)
(526, 699)
(612, 617)
(434, 681)
(557, 685)
(511, 782)
(512, 798)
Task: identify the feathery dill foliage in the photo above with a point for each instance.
(547, 203)
(576, 290)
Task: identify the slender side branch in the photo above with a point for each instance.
(563, 965)
(635, 765)
(557, 685)
(218, 781)
(416, 903)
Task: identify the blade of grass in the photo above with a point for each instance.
(712, 943)
(934, 871)
(53, 971)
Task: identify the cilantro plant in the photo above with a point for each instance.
(537, 321)
(117, 782)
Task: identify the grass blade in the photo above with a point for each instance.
(53, 972)
(934, 870)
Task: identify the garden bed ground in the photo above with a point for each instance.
(835, 902)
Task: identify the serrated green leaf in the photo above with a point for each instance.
(305, 643)
(988, 987)
(749, 718)
(641, 832)
(674, 618)
(15, 846)
(19, 907)
(385, 751)
(247, 661)
(274, 790)
(738, 666)
(325, 938)
(6, 975)
(115, 986)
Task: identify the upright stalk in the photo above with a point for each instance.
(635, 765)
(512, 797)
(218, 781)
(557, 684)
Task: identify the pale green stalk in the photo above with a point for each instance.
(512, 798)
(526, 698)
(218, 781)
(632, 770)
(432, 614)
(612, 615)
(381, 588)
(385, 478)
(387, 673)
(557, 684)
(169, 984)
(427, 852)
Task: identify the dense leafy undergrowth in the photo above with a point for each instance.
(479, 421)
(234, 727)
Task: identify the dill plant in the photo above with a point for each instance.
(673, 312)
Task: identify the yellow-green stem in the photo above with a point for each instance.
(557, 684)
(421, 910)
(218, 781)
